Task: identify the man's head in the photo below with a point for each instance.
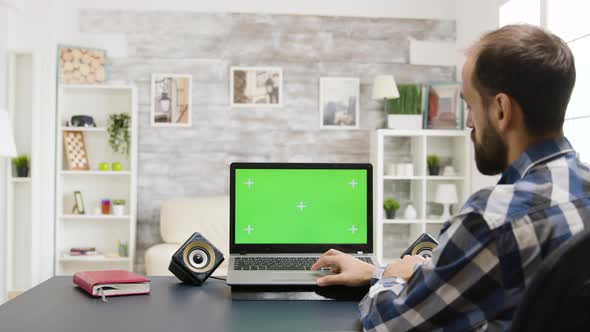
(517, 82)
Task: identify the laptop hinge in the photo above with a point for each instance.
(242, 254)
(359, 253)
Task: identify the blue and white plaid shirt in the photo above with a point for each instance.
(488, 253)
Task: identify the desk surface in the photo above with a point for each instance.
(56, 305)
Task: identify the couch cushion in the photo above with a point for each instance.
(181, 217)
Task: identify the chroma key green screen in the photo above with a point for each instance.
(300, 206)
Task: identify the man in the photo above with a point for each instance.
(517, 82)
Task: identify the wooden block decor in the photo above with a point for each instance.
(75, 151)
(81, 65)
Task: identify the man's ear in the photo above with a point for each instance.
(503, 109)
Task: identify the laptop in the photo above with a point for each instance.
(283, 216)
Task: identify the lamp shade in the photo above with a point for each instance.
(7, 147)
(384, 87)
(446, 194)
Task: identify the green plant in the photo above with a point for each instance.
(118, 202)
(409, 101)
(118, 128)
(433, 160)
(21, 161)
(391, 204)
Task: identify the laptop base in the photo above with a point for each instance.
(298, 293)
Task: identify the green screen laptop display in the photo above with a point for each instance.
(300, 206)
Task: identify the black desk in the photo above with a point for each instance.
(57, 306)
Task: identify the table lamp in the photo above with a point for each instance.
(384, 87)
(446, 194)
(7, 147)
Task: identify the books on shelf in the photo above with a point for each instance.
(83, 251)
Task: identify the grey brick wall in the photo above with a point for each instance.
(188, 162)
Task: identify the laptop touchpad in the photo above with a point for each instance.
(278, 276)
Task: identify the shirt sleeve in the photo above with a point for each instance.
(459, 289)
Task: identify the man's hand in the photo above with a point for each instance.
(403, 268)
(351, 271)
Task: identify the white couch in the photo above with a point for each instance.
(179, 219)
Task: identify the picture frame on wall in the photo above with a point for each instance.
(256, 87)
(171, 100)
(81, 65)
(339, 103)
(444, 108)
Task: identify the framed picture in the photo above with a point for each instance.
(339, 103)
(444, 108)
(75, 150)
(78, 203)
(171, 100)
(256, 87)
(81, 65)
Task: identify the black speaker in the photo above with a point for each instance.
(195, 260)
(423, 246)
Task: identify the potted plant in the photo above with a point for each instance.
(433, 162)
(405, 112)
(21, 164)
(118, 129)
(391, 206)
(119, 207)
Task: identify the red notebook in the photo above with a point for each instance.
(112, 283)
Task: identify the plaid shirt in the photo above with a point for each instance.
(488, 253)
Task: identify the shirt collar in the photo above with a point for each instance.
(533, 155)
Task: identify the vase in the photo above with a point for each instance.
(22, 171)
(433, 170)
(410, 213)
(404, 121)
(123, 249)
(118, 210)
(390, 214)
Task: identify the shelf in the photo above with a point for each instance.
(394, 177)
(95, 172)
(423, 132)
(93, 217)
(402, 221)
(96, 86)
(99, 101)
(20, 180)
(85, 129)
(443, 178)
(435, 221)
(93, 258)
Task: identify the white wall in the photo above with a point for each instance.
(30, 27)
(7, 11)
(474, 18)
(42, 24)
(438, 9)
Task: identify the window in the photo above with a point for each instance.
(520, 11)
(568, 19)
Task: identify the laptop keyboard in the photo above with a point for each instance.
(275, 263)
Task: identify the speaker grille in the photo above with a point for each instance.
(205, 247)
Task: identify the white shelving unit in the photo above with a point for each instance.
(91, 229)
(22, 194)
(389, 146)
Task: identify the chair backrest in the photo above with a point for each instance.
(558, 296)
(181, 217)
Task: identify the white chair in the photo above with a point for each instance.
(179, 219)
